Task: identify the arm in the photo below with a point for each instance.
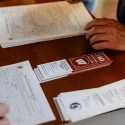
(106, 34)
(3, 110)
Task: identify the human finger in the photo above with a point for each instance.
(3, 109)
(96, 30)
(101, 45)
(98, 38)
(95, 22)
(4, 121)
(73, 1)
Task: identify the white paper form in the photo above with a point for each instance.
(89, 103)
(41, 22)
(53, 70)
(61, 108)
(20, 89)
(61, 105)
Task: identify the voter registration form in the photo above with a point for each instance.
(20, 89)
(82, 104)
(40, 22)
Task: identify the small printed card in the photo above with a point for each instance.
(89, 62)
(57, 69)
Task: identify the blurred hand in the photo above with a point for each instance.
(73, 1)
(3, 110)
(106, 34)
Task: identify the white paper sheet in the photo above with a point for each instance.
(54, 70)
(87, 103)
(34, 23)
(20, 89)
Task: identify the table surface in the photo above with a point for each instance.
(43, 52)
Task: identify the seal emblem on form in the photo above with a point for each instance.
(75, 106)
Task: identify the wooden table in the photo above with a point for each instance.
(43, 52)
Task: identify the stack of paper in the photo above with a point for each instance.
(57, 69)
(20, 89)
(41, 22)
(82, 104)
(53, 70)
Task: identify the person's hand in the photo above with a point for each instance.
(106, 34)
(3, 110)
(73, 1)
